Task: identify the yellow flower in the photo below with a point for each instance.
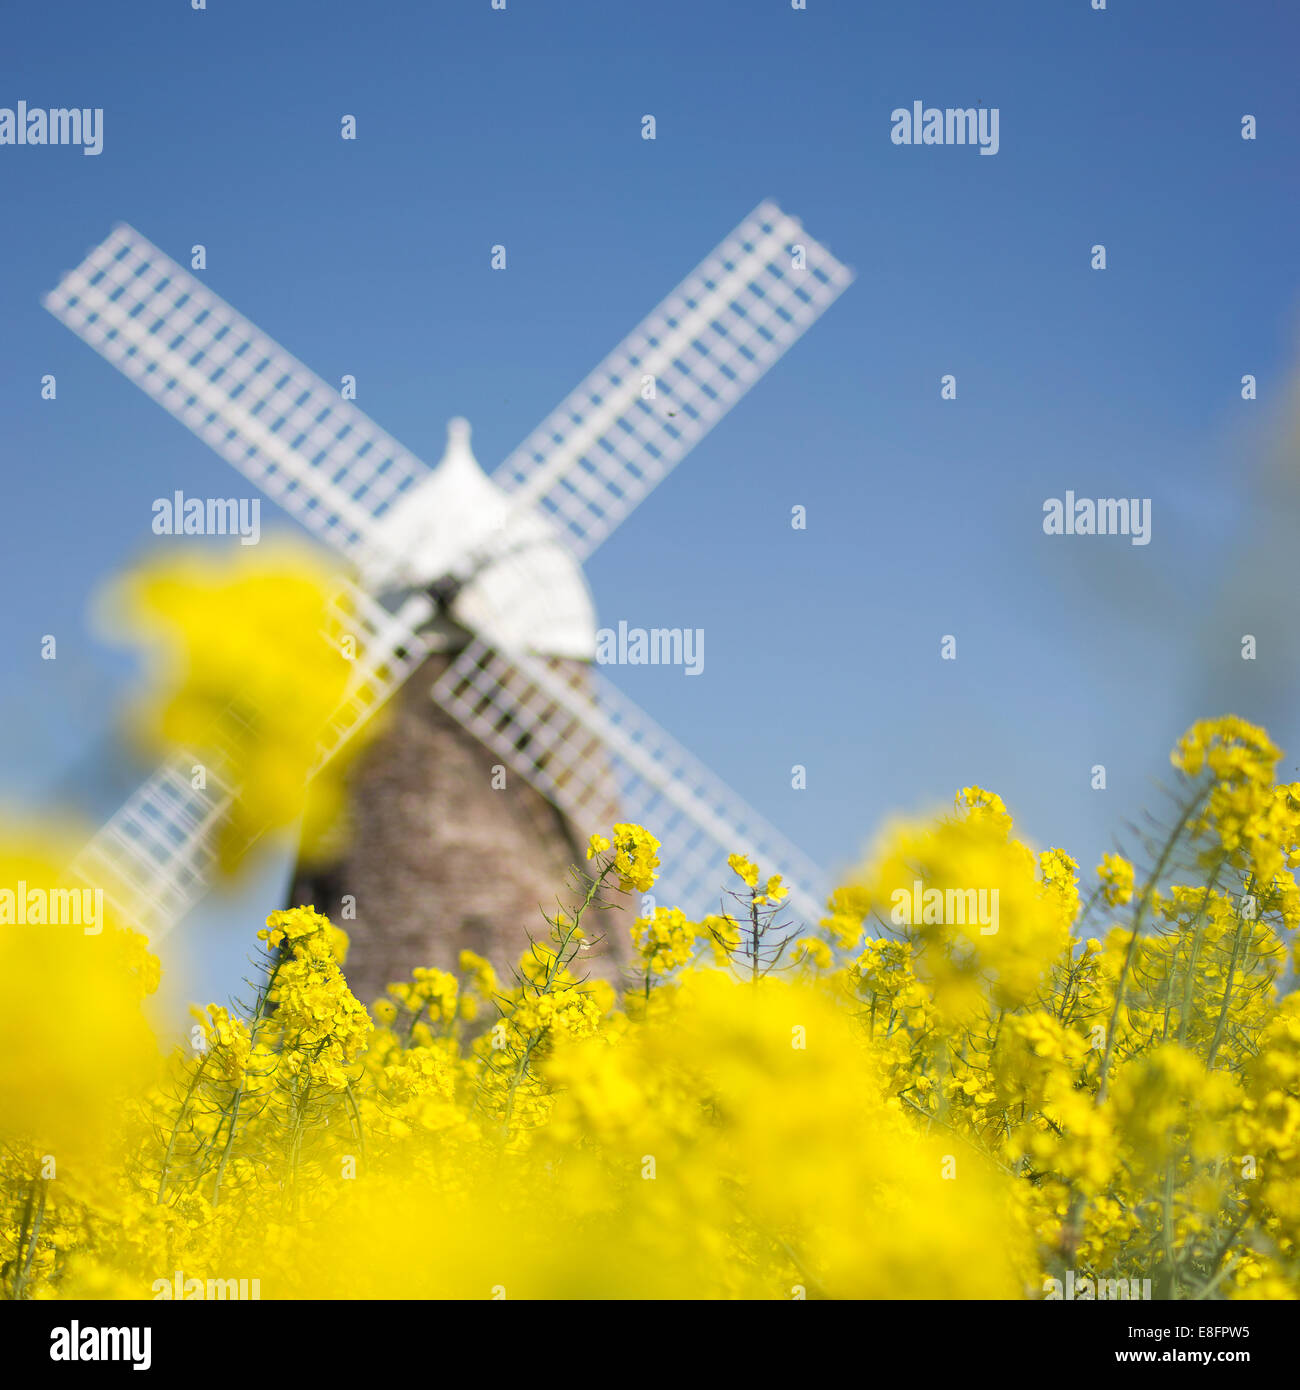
(664, 940)
(1116, 876)
(986, 918)
(745, 868)
(812, 950)
(635, 858)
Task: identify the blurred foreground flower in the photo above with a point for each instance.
(76, 1054)
(249, 666)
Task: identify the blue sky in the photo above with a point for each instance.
(924, 516)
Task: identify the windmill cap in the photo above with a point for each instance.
(458, 430)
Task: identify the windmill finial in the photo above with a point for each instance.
(458, 456)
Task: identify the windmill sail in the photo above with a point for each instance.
(563, 740)
(589, 463)
(155, 856)
(321, 458)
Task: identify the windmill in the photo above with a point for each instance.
(467, 600)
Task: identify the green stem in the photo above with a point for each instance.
(30, 1235)
(176, 1128)
(255, 1028)
(1189, 989)
(1144, 903)
(1227, 995)
(558, 962)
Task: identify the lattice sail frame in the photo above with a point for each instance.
(604, 447)
(328, 464)
(154, 857)
(574, 741)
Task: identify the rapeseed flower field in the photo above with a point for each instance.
(1071, 1077)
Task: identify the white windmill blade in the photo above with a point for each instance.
(604, 447)
(564, 739)
(321, 458)
(389, 646)
(154, 856)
